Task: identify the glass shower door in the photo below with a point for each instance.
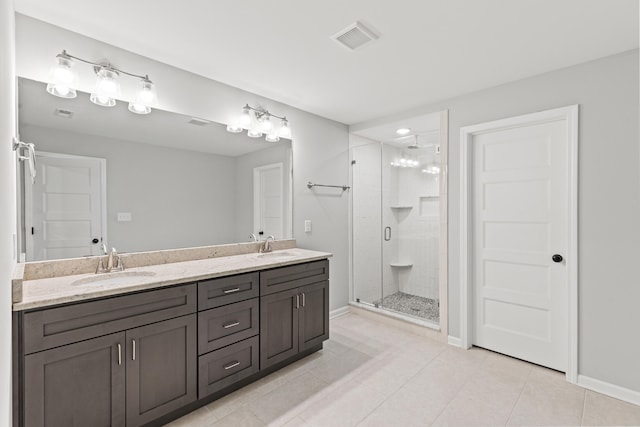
(366, 223)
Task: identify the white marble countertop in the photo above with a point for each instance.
(59, 290)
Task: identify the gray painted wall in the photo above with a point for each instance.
(609, 199)
(7, 202)
(177, 198)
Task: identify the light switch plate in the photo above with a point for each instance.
(124, 216)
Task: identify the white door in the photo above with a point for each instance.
(64, 208)
(520, 223)
(267, 201)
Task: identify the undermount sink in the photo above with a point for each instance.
(277, 255)
(115, 278)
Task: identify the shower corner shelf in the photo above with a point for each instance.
(399, 264)
(401, 207)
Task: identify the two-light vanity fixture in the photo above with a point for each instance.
(64, 79)
(257, 122)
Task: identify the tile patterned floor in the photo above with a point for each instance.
(413, 305)
(372, 374)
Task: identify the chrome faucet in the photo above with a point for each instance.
(253, 237)
(265, 247)
(114, 263)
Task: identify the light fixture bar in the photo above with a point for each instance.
(261, 112)
(107, 66)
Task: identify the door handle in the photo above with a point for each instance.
(304, 299)
(557, 258)
(119, 354)
(133, 346)
(95, 241)
(297, 301)
(387, 233)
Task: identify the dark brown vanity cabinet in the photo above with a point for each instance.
(149, 357)
(126, 377)
(294, 310)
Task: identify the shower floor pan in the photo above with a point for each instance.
(425, 308)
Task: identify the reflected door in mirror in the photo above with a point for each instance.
(65, 208)
(268, 201)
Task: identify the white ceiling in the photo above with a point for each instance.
(428, 50)
(160, 128)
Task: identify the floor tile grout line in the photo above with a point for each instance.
(584, 408)
(519, 396)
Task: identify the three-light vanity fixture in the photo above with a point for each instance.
(64, 79)
(257, 122)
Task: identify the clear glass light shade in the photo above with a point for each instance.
(254, 133)
(62, 78)
(234, 127)
(107, 88)
(285, 130)
(145, 96)
(245, 118)
(272, 137)
(139, 108)
(102, 100)
(265, 124)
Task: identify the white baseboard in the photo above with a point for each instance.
(338, 312)
(609, 389)
(454, 341)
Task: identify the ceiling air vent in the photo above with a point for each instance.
(63, 113)
(354, 36)
(199, 122)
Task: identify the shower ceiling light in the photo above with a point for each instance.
(403, 131)
(257, 122)
(63, 81)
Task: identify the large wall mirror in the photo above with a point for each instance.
(143, 182)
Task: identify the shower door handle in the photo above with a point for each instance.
(387, 233)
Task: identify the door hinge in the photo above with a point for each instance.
(353, 162)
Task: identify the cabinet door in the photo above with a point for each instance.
(81, 384)
(161, 368)
(314, 314)
(278, 327)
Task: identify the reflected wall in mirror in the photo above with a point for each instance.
(143, 182)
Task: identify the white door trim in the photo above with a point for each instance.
(570, 115)
(28, 201)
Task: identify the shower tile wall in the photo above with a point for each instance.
(418, 232)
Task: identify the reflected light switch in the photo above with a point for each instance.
(124, 216)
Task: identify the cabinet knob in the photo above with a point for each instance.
(557, 258)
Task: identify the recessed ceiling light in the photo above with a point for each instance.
(403, 131)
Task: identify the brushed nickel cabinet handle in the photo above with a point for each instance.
(232, 365)
(230, 291)
(119, 354)
(230, 325)
(133, 345)
(304, 299)
(297, 301)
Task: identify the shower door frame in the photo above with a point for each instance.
(443, 325)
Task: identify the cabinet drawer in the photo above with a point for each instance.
(284, 278)
(224, 367)
(54, 327)
(225, 290)
(226, 325)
